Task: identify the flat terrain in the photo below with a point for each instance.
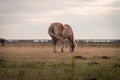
(46, 53)
(38, 62)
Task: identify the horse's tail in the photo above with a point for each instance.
(51, 33)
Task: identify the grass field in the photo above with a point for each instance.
(38, 62)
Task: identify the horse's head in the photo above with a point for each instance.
(2, 41)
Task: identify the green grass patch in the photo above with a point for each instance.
(30, 70)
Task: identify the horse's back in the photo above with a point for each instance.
(67, 31)
(56, 29)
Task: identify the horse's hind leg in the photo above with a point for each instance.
(54, 43)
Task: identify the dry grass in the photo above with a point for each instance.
(38, 62)
(46, 53)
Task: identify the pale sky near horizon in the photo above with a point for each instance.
(89, 19)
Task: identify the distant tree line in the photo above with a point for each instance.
(50, 41)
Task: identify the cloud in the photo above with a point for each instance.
(46, 10)
(92, 7)
(38, 14)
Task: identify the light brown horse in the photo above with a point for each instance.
(58, 31)
(2, 41)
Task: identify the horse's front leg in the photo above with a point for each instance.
(62, 48)
(70, 49)
(55, 49)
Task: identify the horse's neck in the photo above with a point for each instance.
(72, 42)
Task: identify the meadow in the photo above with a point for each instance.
(36, 61)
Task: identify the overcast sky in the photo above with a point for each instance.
(89, 19)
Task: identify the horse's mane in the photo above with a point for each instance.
(67, 25)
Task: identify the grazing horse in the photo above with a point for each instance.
(2, 41)
(58, 31)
